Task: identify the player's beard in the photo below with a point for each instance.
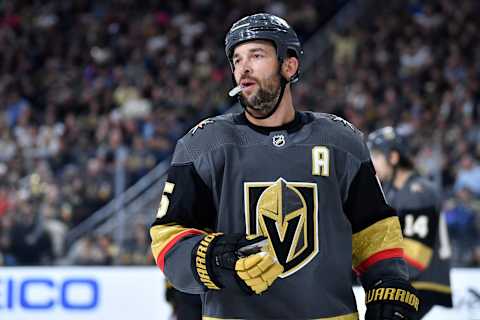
(261, 103)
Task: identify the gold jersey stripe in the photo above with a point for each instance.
(350, 316)
(382, 235)
(417, 251)
(162, 235)
(431, 286)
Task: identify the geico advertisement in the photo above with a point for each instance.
(91, 293)
(88, 293)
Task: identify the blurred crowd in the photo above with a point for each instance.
(81, 80)
(416, 66)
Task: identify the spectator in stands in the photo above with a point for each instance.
(92, 250)
(6, 254)
(468, 177)
(29, 242)
(140, 159)
(460, 217)
(136, 251)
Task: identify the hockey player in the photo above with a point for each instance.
(426, 246)
(265, 212)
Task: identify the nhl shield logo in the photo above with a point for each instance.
(278, 140)
(286, 213)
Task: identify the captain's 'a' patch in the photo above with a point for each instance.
(286, 213)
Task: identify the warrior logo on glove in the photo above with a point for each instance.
(286, 213)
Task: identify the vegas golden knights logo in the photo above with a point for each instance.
(286, 213)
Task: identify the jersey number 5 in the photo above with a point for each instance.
(165, 202)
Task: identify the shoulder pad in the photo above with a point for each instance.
(210, 134)
(422, 185)
(424, 189)
(343, 122)
(202, 124)
(340, 133)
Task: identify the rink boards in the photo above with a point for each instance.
(124, 293)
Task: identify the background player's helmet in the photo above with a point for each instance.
(264, 26)
(387, 139)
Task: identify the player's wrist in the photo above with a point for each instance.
(201, 262)
(393, 299)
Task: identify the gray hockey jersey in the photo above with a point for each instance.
(228, 175)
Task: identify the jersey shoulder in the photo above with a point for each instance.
(208, 135)
(337, 121)
(339, 133)
(422, 192)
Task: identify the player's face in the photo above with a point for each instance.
(257, 71)
(383, 168)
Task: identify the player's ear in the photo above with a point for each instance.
(289, 67)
